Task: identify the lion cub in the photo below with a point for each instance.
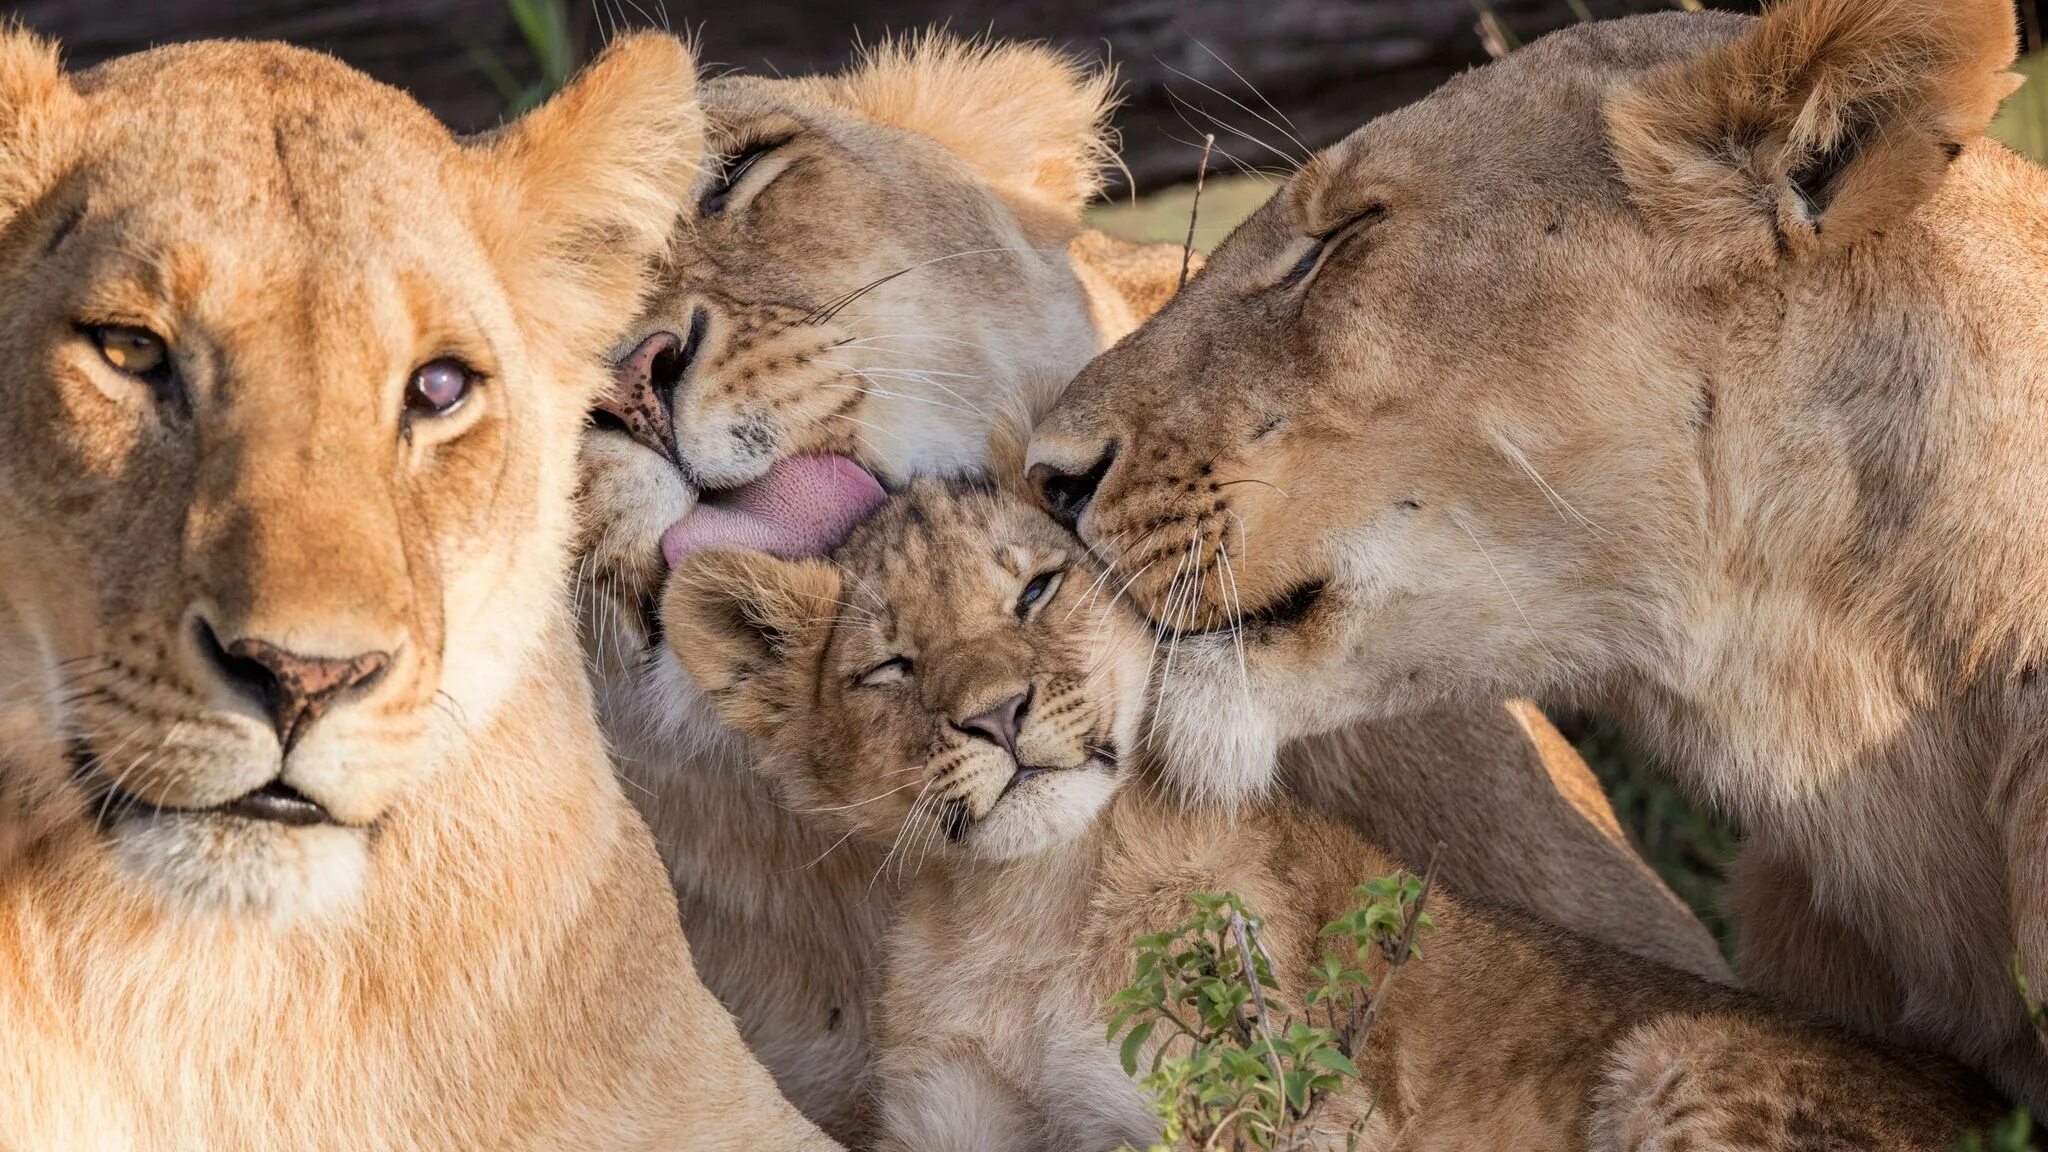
(962, 687)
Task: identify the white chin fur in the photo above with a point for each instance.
(1215, 743)
(1042, 812)
(246, 869)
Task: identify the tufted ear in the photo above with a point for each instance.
(37, 110)
(1032, 121)
(750, 628)
(579, 195)
(1830, 119)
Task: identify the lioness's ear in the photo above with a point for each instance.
(37, 105)
(748, 627)
(1830, 119)
(1033, 122)
(581, 193)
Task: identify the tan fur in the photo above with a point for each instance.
(1686, 365)
(1032, 865)
(781, 918)
(475, 949)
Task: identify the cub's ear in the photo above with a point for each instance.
(38, 108)
(750, 629)
(1032, 121)
(1830, 119)
(581, 194)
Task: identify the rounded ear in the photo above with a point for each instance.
(582, 193)
(37, 110)
(1829, 120)
(1032, 121)
(750, 629)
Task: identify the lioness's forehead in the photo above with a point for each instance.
(241, 134)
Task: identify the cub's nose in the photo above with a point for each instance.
(999, 724)
(641, 402)
(293, 690)
(1066, 489)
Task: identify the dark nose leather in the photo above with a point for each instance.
(1067, 494)
(293, 689)
(999, 723)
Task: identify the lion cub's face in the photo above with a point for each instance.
(293, 382)
(956, 676)
(1442, 418)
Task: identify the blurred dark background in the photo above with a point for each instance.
(1330, 64)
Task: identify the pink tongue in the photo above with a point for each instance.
(804, 506)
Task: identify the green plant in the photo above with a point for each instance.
(2015, 1133)
(544, 26)
(1238, 1069)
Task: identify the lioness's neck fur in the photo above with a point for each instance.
(1850, 661)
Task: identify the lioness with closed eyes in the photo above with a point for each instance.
(958, 688)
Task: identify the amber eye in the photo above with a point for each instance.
(438, 387)
(136, 351)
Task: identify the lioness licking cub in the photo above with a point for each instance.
(958, 687)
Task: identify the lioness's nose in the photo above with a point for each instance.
(293, 689)
(1065, 489)
(642, 396)
(1000, 722)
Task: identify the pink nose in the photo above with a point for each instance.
(640, 399)
(999, 723)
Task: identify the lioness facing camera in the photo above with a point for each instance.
(881, 264)
(1690, 365)
(313, 842)
(957, 687)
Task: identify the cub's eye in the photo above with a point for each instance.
(136, 351)
(1038, 590)
(438, 387)
(887, 672)
(736, 169)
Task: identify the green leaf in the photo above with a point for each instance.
(1335, 1061)
(1128, 1052)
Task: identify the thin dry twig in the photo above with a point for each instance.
(1187, 251)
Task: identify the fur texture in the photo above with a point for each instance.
(1035, 853)
(469, 944)
(1686, 365)
(938, 368)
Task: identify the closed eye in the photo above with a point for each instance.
(1037, 591)
(735, 169)
(887, 672)
(1329, 241)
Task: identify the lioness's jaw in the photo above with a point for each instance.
(293, 479)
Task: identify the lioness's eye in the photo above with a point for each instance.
(1330, 238)
(887, 672)
(1037, 591)
(438, 387)
(136, 351)
(736, 169)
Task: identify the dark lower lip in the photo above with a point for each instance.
(1278, 615)
(274, 803)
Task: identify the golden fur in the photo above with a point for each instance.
(1688, 365)
(1033, 860)
(471, 946)
(781, 916)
